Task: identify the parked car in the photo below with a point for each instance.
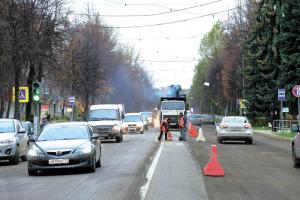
(234, 128)
(196, 119)
(65, 145)
(296, 150)
(13, 141)
(133, 123)
(28, 126)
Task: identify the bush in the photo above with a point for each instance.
(259, 122)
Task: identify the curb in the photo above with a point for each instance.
(270, 135)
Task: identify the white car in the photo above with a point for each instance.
(13, 141)
(234, 128)
(133, 123)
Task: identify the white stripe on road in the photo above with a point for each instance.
(149, 175)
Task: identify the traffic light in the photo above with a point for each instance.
(36, 92)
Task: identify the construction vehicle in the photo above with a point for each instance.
(173, 104)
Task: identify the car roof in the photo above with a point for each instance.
(69, 124)
(106, 106)
(127, 114)
(7, 120)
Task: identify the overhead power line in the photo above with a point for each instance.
(155, 14)
(173, 22)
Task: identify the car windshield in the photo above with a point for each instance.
(234, 120)
(67, 132)
(172, 105)
(7, 127)
(194, 116)
(103, 114)
(132, 118)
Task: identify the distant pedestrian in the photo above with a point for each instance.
(44, 121)
(164, 129)
(49, 118)
(182, 121)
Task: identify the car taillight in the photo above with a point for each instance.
(223, 126)
(247, 126)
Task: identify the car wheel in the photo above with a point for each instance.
(24, 158)
(250, 141)
(98, 163)
(92, 168)
(118, 139)
(295, 159)
(32, 172)
(16, 158)
(142, 132)
(219, 140)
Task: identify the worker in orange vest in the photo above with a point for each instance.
(182, 125)
(164, 128)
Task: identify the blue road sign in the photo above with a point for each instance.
(281, 94)
(72, 100)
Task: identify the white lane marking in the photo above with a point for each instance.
(144, 189)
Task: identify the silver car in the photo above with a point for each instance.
(65, 145)
(234, 128)
(13, 141)
(296, 150)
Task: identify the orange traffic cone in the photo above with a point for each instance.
(170, 136)
(213, 167)
(192, 131)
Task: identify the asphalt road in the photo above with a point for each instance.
(262, 171)
(122, 173)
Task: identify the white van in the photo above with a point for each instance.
(107, 119)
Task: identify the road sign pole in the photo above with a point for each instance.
(38, 119)
(298, 116)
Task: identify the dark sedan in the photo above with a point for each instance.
(65, 145)
(296, 150)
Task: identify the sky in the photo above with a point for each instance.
(165, 33)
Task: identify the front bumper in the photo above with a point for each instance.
(7, 151)
(75, 161)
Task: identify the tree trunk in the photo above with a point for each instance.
(86, 107)
(29, 84)
(9, 104)
(2, 108)
(17, 84)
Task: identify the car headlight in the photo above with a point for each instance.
(8, 141)
(115, 128)
(86, 148)
(34, 151)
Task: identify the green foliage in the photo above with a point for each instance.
(272, 55)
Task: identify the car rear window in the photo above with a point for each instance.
(234, 120)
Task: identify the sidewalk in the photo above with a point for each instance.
(177, 175)
(269, 133)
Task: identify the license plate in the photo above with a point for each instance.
(58, 161)
(172, 123)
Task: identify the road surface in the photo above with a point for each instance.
(263, 170)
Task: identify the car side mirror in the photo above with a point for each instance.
(21, 131)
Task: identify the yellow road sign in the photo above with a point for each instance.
(23, 94)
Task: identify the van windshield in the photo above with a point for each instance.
(103, 114)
